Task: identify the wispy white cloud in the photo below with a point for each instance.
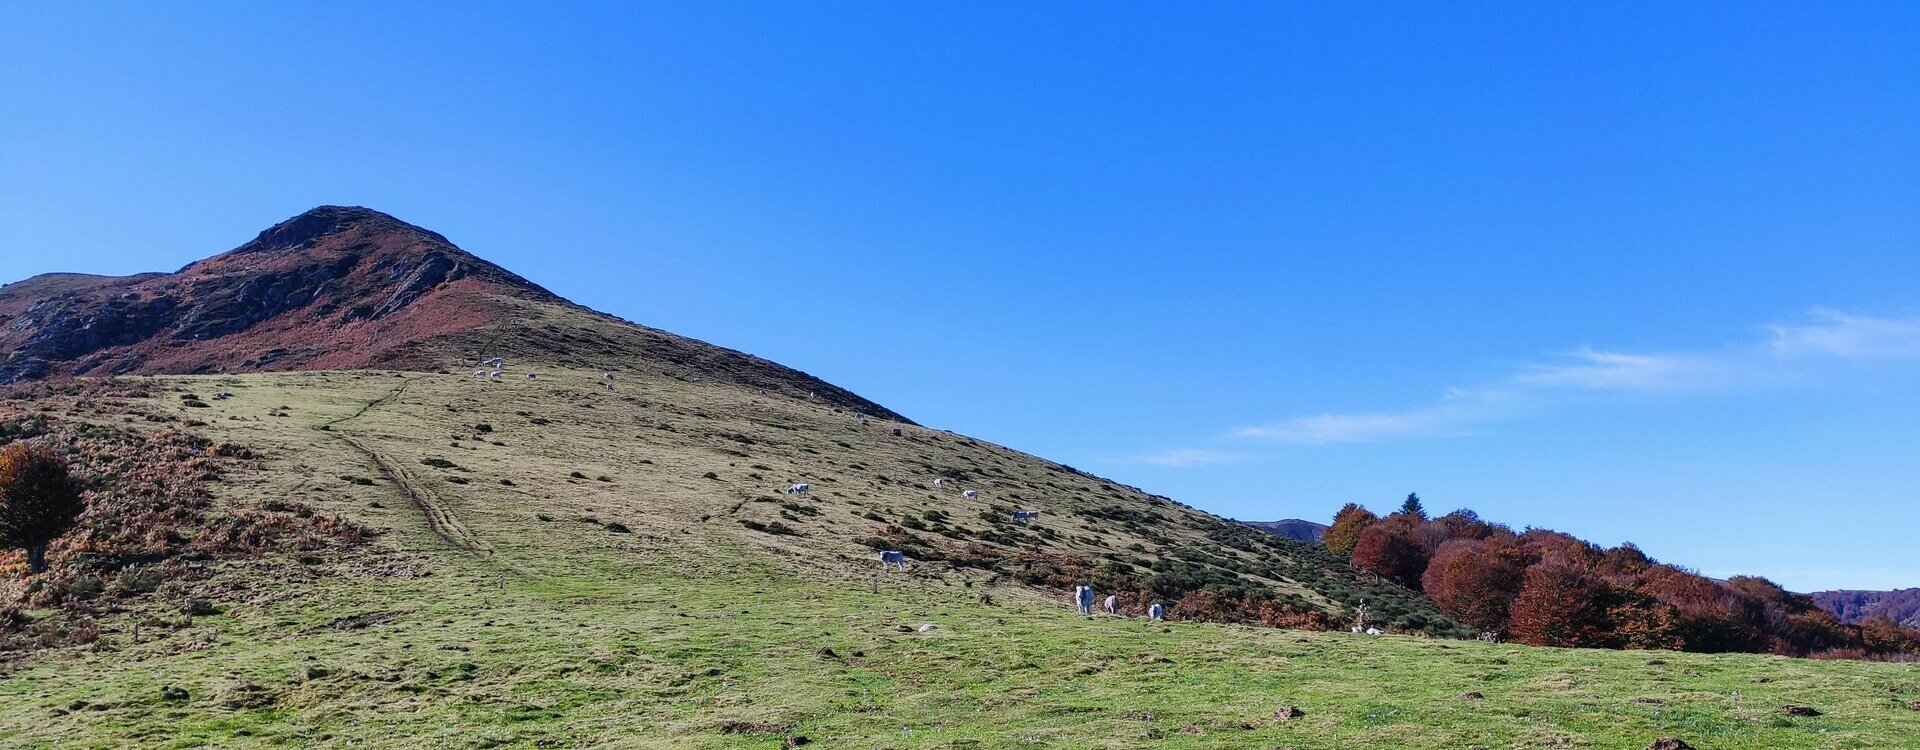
(1185, 458)
(1321, 429)
(1607, 371)
(1824, 335)
(1838, 335)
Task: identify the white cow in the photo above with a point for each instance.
(939, 482)
(496, 374)
(531, 376)
(970, 494)
(800, 488)
(1111, 604)
(479, 374)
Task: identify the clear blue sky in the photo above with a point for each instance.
(1636, 272)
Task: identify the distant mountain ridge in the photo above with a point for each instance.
(345, 287)
(1292, 528)
(1900, 605)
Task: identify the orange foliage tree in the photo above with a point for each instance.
(39, 500)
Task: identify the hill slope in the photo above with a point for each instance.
(554, 565)
(1901, 605)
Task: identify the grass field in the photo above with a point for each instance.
(573, 577)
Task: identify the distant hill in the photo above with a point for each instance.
(1901, 605)
(1292, 528)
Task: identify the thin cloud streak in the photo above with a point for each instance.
(1186, 458)
(1826, 335)
(1322, 429)
(1850, 337)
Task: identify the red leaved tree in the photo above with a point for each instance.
(1476, 581)
(1387, 549)
(1558, 605)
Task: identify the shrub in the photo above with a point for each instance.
(39, 500)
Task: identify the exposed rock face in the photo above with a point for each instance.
(344, 288)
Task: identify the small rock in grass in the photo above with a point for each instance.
(1669, 743)
(1471, 695)
(1791, 710)
(1289, 713)
(173, 693)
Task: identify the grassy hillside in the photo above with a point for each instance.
(563, 566)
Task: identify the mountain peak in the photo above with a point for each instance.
(323, 221)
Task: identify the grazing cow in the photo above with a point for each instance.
(1373, 631)
(1084, 597)
(496, 374)
(697, 379)
(800, 488)
(892, 558)
(1111, 604)
(496, 362)
(970, 494)
(1156, 612)
(938, 482)
(607, 376)
(479, 374)
(1025, 515)
(531, 376)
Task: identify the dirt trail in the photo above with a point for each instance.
(439, 517)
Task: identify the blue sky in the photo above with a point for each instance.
(1636, 272)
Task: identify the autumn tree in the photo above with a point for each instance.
(1345, 531)
(39, 500)
(1558, 605)
(1386, 549)
(1475, 581)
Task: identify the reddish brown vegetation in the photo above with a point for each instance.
(150, 523)
(1546, 588)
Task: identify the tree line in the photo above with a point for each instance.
(1547, 588)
